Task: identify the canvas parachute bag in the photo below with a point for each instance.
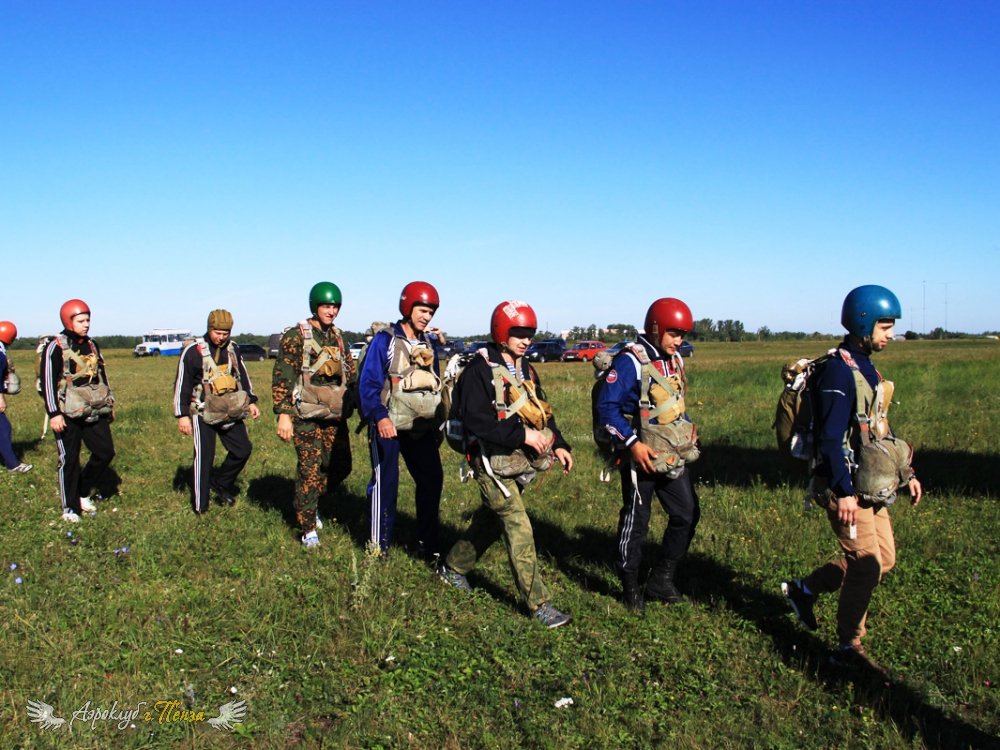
(602, 438)
(413, 390)
(220, 397)
(883, 460)
(454, 431)
(12, 382)
(673, 438)
(522, 393)
(82, 395)
(793, 414)
(43, 342)
(321, 401)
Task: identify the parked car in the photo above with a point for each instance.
(475, 345)
(584, 351)
(546, 350)
(355, 349)
(252, 352)
(686, 349)
(452, 347)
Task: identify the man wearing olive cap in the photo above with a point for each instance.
(212, 396)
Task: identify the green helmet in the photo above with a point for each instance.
(324, 293)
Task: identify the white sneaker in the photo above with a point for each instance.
(21, 468)
(70, 516)
(87, 506)
(311, 539)
(319, 523)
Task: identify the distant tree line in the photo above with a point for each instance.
(705, 329)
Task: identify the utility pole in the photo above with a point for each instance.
(946, 283)
(923, 327)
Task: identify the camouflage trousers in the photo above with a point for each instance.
(324, 461)
(501, 517)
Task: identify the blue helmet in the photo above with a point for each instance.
(865, 306)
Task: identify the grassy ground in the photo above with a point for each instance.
(335, 649)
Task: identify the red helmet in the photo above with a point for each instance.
(665, 314)
(8, 332)
(70, 308)
(417, 293)
(511, 314)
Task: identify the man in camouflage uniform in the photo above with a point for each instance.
(318, 430)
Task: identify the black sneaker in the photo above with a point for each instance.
(800, 602)
(224, 496)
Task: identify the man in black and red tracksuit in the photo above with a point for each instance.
(191, 379)
(94, 431)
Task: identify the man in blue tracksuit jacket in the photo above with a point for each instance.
(401, 364)
(667, 320)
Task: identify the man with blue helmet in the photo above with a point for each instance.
(858, 467)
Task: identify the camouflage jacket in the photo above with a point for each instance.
(288, 365)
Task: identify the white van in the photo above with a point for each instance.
(165, 341)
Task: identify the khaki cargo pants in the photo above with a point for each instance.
(501, 517)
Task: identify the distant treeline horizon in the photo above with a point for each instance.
(704, 330)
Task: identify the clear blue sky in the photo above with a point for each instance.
(756, 159)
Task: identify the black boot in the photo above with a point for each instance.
(632, 593)
(660, 584)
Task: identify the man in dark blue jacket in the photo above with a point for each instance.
(859, 466)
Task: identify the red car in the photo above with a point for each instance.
(585, 351)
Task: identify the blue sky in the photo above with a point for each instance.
(756, 159)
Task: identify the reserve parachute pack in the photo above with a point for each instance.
(82, 395)
(412, 393)
(673, 437)
(12, 381)
(322, 401)
(220, 397)
(880, 462)
(513, 395)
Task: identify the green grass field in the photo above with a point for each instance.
(337, 649)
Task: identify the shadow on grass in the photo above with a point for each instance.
(893, 699)
(273, 492)
(21, 447)
(938, 471)
(708, 582)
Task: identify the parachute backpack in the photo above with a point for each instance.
(793, 418)
(43, 341)
(220, 397)
(412, 393)
(454, 430)
(322, 401)
(88, 400)
(881, 462)
(602, 438)
(674, 438)
(12, 383)
(526, 402)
